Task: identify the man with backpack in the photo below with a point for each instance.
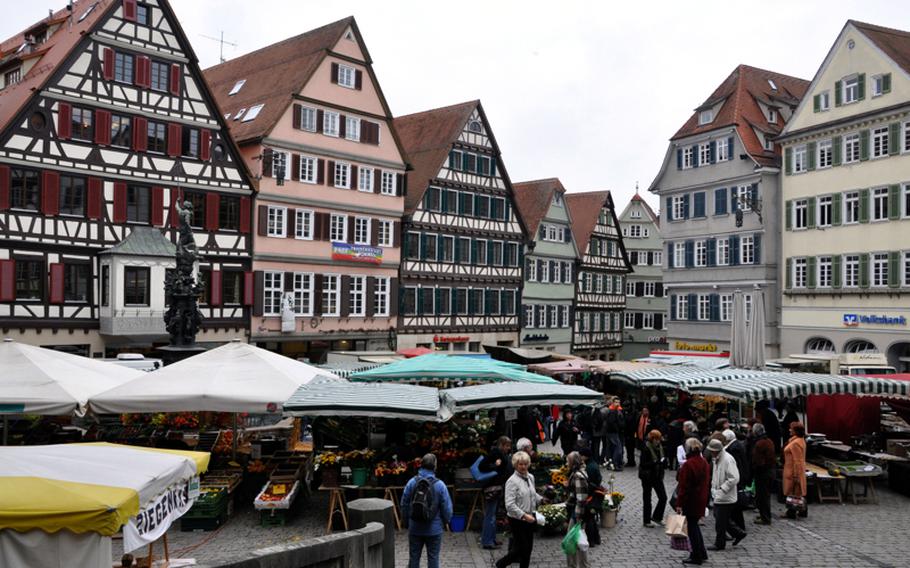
(425, 506)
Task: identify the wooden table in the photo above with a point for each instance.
(337, 504)
(824, 480)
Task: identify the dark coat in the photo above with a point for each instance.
(763, 457)
(567, 434)
(694, 482)
(772, 427)
(738, 450)
(503, 471)
(651, 463)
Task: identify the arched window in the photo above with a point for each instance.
(860, 346)
(820, 345)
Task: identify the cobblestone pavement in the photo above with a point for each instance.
(849, 536)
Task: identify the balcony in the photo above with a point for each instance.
(134, 322)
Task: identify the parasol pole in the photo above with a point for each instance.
(234, 440)
(5, 429)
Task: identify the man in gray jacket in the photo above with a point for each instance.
(724, 478)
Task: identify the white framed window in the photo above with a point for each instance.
(704, 154)
(277, 217)
(303, 225)
(308, 165)
(480, 249)
(726, 307)
(635, 231)
(346, 76)
(880, 142)
(385, 233)
(567, 272)
(706, 117)
(824, 101)
(642, 258)
(688, 157)
(850, 86)
(331, 294)
(880, 204)
(236, 88)
(723, 252)
(879, 269)
(279, 164)
(799, 159)
(330, 123)
(679, 207)
(682, 307)
(772, 116)
(701, 253)
(608, 284)
(878, 85)
(589, 282)
(769, 143)
(272, 288)
(564, 316)
(365, 180)
(352, 128)
(530, 312)
(361, 230)
(557, 272)
(650, 289)
(722, 153)
(447, 254)
(825, 211)
(851, 271)
(747, 249)
(543, 274)
(906, 144)
(358, 296)
(851, 148)
(704, 307)
(532, 270)
(388, 183)
(342, 175)
(381, 287)
(825, 151)
(303, 293)
(630, 288)
(647, 320)
(800, 273)
(657, 258)
(629, 320)
(907, 269)
(308, 119)
(825, 274)
(851, 207)
(679, 254)
(801, 214)
(338, 228)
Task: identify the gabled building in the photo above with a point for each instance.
(549, 276)
(719, 184)
(105, 122)
(645, 319)
(463, 238)
(601, 272)
(846, 192)
(314, 127)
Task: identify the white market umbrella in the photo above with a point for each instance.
(235, 377)
(35, 380)
(755, 339)
(738, 331)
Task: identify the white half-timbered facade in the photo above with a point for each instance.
(110, 124)
(462, 236)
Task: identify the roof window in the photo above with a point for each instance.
(237, 86)
(252, 113)
(706, 116)
(87, 12)
(773, 85)
(239, 114)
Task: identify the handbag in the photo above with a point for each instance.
(796, 503)
(676, 526)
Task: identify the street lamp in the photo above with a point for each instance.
(744, 201)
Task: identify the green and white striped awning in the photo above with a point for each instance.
(381, 400)
(510, 395)
(346, 369)
(441, 367)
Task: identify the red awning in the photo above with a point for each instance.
(414, 352)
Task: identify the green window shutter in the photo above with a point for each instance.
(788, 219)
(423, 246)
(864, 206)
(894, 138)
(864, 270)
(837, 94)
(864, 144)
(443, 200)
(894, 202)
(886, 83)
(810, 210)
(894, 259)
(835, 269)
(836, 206)
(810, 271)
(810, 154)
(789, 275)
(788, 158)
(837, 143)
(816, 103)
(419, 299)
(861, 87)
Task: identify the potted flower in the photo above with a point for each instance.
(555, 517)
(329, 465)
(612, 504)
(359, 461)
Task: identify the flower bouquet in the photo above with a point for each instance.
(390, 473)
(560, 477)
(613, 501)
(329, 466)
(555, 517)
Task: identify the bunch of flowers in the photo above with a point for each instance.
(385, 468)
(613, 501)
(329, 459)
(560, 477)
(555, 516)
(359, 458)
(549, 459)
(176, 420)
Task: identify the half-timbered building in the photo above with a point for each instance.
(105, 122)
(550, 262)
(315, 128)
(462, 237)
(599, 298)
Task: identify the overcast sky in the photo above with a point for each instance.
(589, 92)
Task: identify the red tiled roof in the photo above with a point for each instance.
(533, 199)
(895, 43)
(740, 92)
(584, 209)
(273, 74)
(426, 138)
(52, 53)
(648, 210)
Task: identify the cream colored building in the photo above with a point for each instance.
(846, 190)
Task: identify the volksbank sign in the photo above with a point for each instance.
(853, 320)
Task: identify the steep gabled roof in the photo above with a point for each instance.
(533, 200)
(585, 208)
(51, 53)
(895, 43)
(426, 138)
(144, 241)
(650, 212)
(741, 91)
(273, 74)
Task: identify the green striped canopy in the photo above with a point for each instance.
(438, 367)
(383, 400)
(510, 395)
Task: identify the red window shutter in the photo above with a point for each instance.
(140, 134)
(102, 127)
(50, 187)
(4, 187)
(320, 172)
(173, 140)
(175, 79)
(143, 72)
(215, 289)
(64, 120)
(335, 73)
(56, 283)
(107, 63)
(119, 202)
(211, 211)
(157, 206)
(249, 291)
(95, 204)
(129, 10)
(245, 215)
(7, 280)
(297, 112)
(175, 198)
(358, 79)
(205, 143)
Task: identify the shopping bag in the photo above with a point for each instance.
(680, 543)
(570, 541)
(676, 525)
(583, 545)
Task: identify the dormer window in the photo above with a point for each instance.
(706, 117)
(772, 84)
(237, 86)
(12, 77)
(769, 143)
(239, 114)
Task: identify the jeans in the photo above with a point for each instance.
(416, 544)
(521, 545)
(658, 486)
(722, 524)
(696, 540)
(488, 532)
(615, 449)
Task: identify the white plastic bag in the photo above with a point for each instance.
(583, 544)
(541, 520)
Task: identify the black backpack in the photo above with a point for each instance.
(423, 504)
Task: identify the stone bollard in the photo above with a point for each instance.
(363, 511)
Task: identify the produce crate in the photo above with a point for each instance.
(212, 503)
(200, 524)
(274, 517)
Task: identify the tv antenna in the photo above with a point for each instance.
(222, 43)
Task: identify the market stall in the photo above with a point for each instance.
(62, 503)
(450, 368)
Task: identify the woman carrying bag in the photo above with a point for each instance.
(651, 473)
(576, 506)
(521, 504)
(794, 475)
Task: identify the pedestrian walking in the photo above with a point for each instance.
(763, 462)
(614, 429)
(794, 475)
(426, 505)
(630, 422)
(595, 493)
(521, 504)
(599, 434)
(576, 504)
(567, 432)
(723, 490)
(737, 449)
(690, 430)
(692, 498)
(497, 460)
(651, 466)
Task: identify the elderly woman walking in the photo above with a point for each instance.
(576, 503)
(521, 504)
(794, 476)
(692, 497)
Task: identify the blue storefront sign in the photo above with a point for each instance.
(853, 320)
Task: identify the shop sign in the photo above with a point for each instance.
(510, 414)
(450, 339)
(657, 339)
(537, 337)
(706, 347)
(853, 320)
(154, 520)
(356, 253)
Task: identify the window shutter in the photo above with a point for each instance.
(244, 225)
(56, 283)
(140, 134)
(175, 199)
(686, 206)
(334, 71)
(756, 243)
(374, 235)
(320, 118)
(50, 199)
(102, 127)
(810, 271)
(810, 155)
(894, 202)
(143, 72)
(672, 307)
(864, 145)
(836, 270)
(693, 307)
(212, 201)
(295, 167)
(836, 142)
(788, 214)
(669, 209)
(695, 156)
(64, 120)
(861, 86)
(320, 172)
(377, 180)
(637, 320)
(670, 255)
(215, 288)
(730, 148)
(734, 201)
(173, 139)
(714, 307)
(157, 206)
(297, 116)
(712, 252)
(679, 158)
(810, 210)
(4, 187)
(816, 103)
(894, 132)
(886, 83)
(355, 179)
(720, 201)
(94, 198)
(838, 96)
(129, 10)
(836, 205)
(394, 297)
(345, 303)
(894, 277)
(358, 79)
(864, 270)
(690, 253)
(205, 145)
(258, 292)
(639, 289)
(175, 79)
(317, 294)
(864, 206)
(262, 226)
(342, 126)
(119, 202)
(330, 172)
(789, 273)
(734, 250)
(788, 157)
(713, 151)
(107, 63)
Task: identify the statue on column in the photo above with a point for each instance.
(182, 319)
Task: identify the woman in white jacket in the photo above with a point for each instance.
(723, 490)
(521, 504)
